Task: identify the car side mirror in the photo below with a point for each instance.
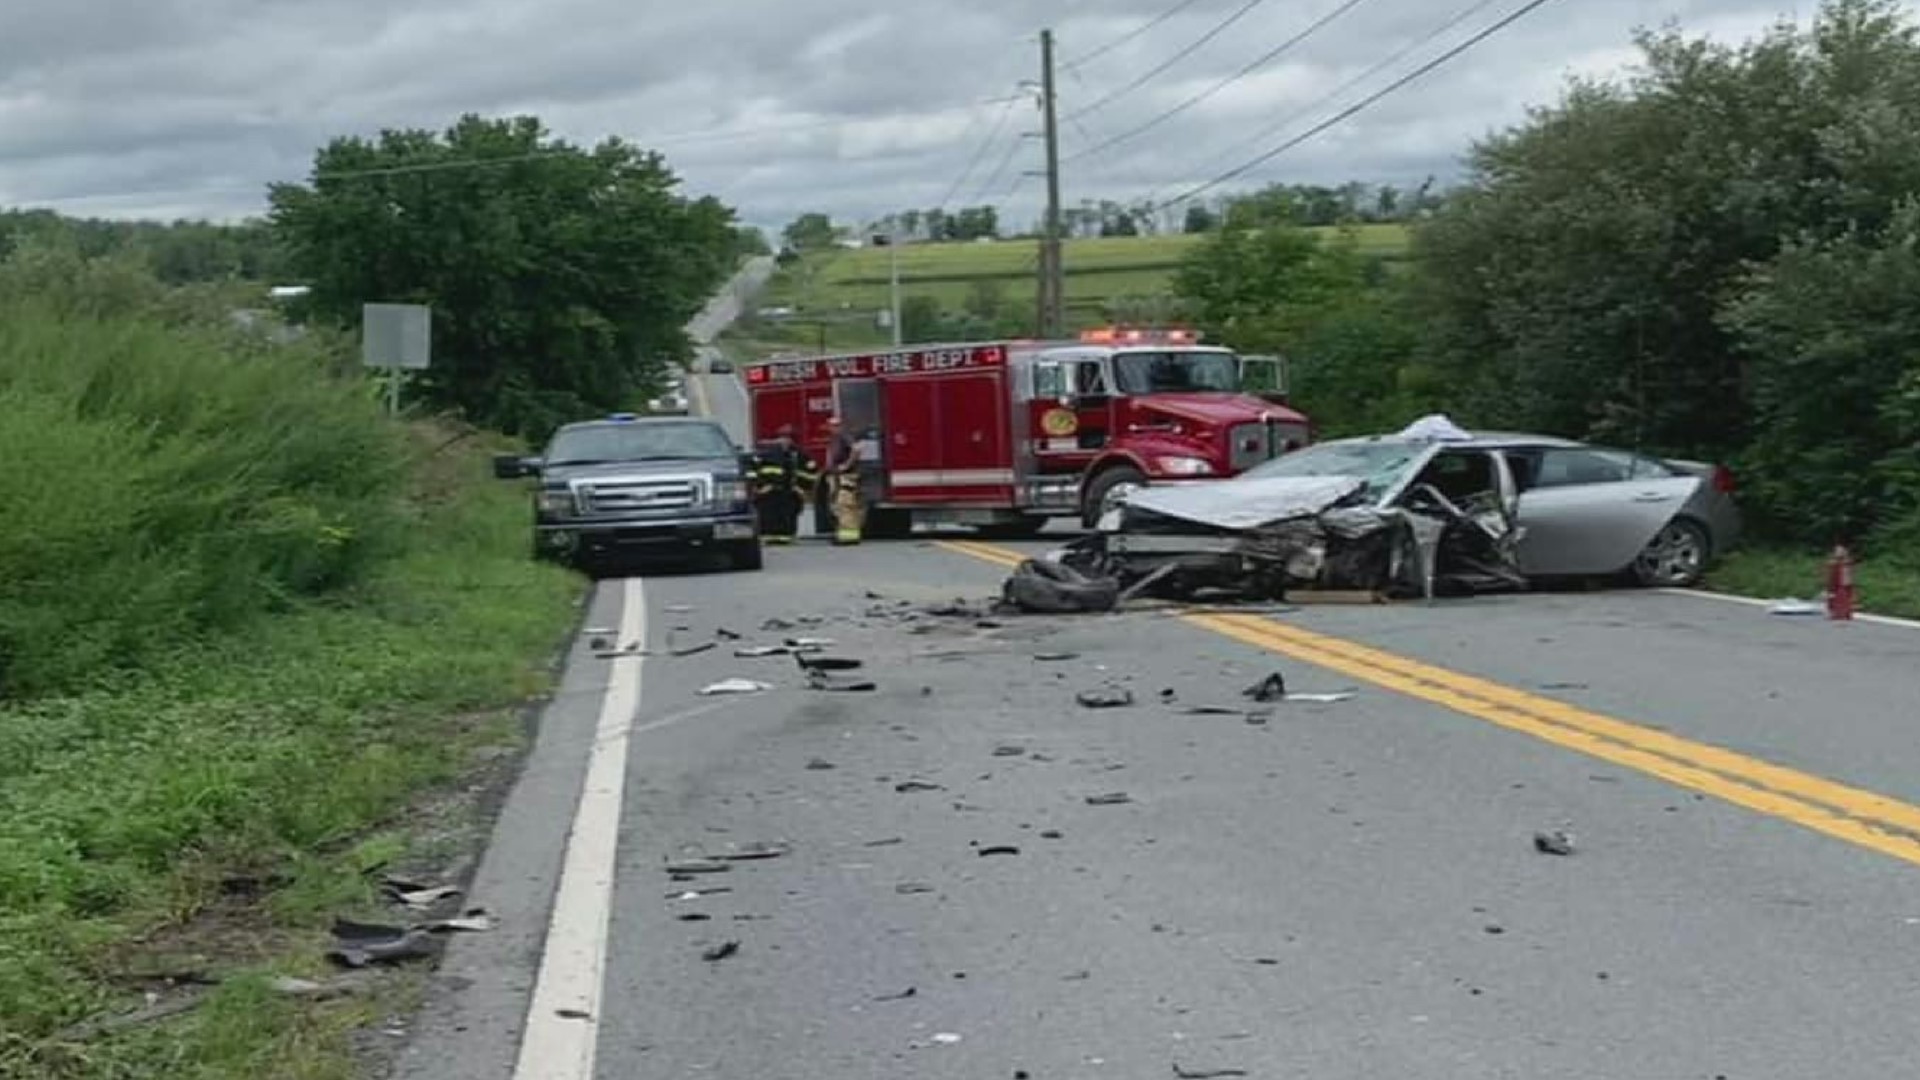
(513, 466)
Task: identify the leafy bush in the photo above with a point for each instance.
(164, 481)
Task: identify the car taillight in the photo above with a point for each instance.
(1723, 479)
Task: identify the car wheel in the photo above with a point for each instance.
(746, 555)
(1675, 558)
(1107, 490)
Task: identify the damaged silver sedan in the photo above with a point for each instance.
(1432, 509)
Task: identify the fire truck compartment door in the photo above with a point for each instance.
(947, 438)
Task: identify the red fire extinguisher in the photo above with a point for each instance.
(1840, 592)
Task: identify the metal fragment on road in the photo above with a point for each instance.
(1205, 1074)
(901, 996)
(1108, 698)
(699, 866)
(820, 765)
(1009, 750)
(908, 786)
(999, 849)
(734, 686)
(678, 609)
(823, 680)
(912, 888)
(1116, 798)
(1556, 842)
(1055, 657)
(692, 650)
(720, 952)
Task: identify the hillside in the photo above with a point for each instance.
(833, 294)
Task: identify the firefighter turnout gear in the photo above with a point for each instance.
(843, 476)
(782, 475)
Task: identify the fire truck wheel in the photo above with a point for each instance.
(1108, 487)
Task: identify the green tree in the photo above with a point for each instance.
(749, 241)
(1273, 287)
(986, 299)
(560, 277)
(1199, 220)
(1597, 275)
(811, 231)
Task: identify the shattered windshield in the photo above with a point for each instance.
(1378, 463)
(1176, 372)
(637, 442)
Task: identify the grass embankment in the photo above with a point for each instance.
(244, 622)
(843, 288)
(1886, 584)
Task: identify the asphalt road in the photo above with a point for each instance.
(1343, 890)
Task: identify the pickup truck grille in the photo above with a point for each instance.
(639, 495)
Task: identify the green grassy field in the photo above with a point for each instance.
(847, 285)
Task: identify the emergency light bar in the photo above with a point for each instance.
(1115, 335)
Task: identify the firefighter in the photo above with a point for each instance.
(781, 471)
(843, 476)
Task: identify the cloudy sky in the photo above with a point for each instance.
(171, 108)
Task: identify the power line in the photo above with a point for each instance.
(1362, 104)
(1129, 35)
(1218, 29)
(1266, 58)
(1000, 169)
(979, 151)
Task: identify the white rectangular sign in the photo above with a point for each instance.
(396, 335)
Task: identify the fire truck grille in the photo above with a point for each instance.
(1251, 445)
(635, 496)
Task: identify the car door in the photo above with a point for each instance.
(1591, 510)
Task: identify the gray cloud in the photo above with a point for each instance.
(189, 107)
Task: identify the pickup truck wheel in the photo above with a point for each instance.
(1108, 487)
(746, 555)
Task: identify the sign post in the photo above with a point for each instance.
(396, 338)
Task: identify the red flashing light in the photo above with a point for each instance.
(756, 374)
(1115, 335)
(1723, 480)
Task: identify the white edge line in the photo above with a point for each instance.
(1751, 601)
(572, 961)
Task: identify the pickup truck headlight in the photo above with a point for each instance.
(730, 492)
(554, 502)
(1185, 466)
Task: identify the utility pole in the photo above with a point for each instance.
(893, 271)
(1052, 272)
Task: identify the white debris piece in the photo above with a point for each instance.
(734, 686)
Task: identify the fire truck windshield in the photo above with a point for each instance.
(1186, 371)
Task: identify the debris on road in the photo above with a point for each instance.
(1272, 688)
(693, 650)
(678, 609)
(999, 849)
(1009, 750)
(1113, 798)
(720, 952)
(912, 888)
(698, 866)
(1796, 607)
(471, 921)
(755, 853)
(1047, 587)
(725, 634)
(776, 624)
(820, 765)
(945, 1038)
(901, 996)
(808, 644)
(1556, 842)
(908, 786)
(1055, 657)
(700, 894)
(821, 680)
(1320, 699)
(1205, 1074)
(600, 639)
(1113, 697)
(887, 842)
(734, 686)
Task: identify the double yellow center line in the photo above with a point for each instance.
(1865, 818)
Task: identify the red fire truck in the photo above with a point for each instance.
(1006, 434)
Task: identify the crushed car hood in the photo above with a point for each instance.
(1245, 504)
